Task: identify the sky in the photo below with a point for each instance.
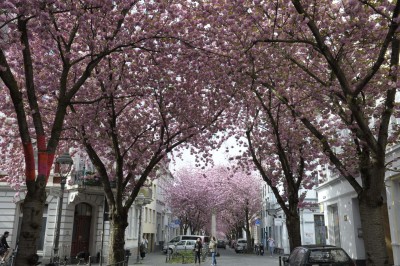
(220, 157)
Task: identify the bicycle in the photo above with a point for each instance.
(9, 261)
(256, 249)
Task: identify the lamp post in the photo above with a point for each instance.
(64, 161)
(140, 201)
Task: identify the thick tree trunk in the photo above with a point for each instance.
(116, 252)
(373, 231)
(31, 224)
(293, 227)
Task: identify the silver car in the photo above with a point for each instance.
(184, 245)
(241, 245)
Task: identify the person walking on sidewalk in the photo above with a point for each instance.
(143, 247)
(5, 249)
(197, 251)
(213, 249)
(271, 245)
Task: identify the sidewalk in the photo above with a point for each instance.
(227, 258)
(151, 259)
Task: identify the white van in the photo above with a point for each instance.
(171, 244)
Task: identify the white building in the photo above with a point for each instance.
(274, 222)
(339, 202)
(84, 224)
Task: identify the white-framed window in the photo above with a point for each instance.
(130, 229)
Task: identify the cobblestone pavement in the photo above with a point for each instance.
(228, 257)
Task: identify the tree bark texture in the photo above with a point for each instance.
(293, 227)
(31, 224)
(116, 253)
(373, 231)
(248, 233)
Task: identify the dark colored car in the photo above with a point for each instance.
(221, 244)
(310, 255)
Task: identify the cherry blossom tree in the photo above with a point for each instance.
(48, 51)
(139, 107)
(235, 197)
(334, 64)
(285, 155)
(188, 200)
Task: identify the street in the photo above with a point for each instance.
(228, 257)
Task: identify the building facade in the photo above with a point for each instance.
(339, 203)
(274, 221)
(84, 225)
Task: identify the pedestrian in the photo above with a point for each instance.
(4, 247)
(271, 245)
(143, 247)
(197, 251)
(261, 249)
(145, 242)
(213, 249)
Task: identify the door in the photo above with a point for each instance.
(81, 231)
(334, 227)
(320, 230)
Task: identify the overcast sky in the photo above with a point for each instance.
(220, 156)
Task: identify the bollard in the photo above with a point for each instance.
(280, 261)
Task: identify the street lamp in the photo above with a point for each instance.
(64, 162)
(140, 201)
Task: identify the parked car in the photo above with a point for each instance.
(185, 245)
(221, 244)
(170, 245)
(309, 255)
(241, 245)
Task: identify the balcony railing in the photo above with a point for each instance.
(85, 179)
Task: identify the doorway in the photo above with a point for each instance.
(320, 229)
(81, 231)
(334, 228)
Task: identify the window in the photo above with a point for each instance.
(150, 216)
(137, 222)
(328, 255)
(130, 224)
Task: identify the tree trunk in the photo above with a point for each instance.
(373, 231)
(31, 224)
(293, 227)
(116, 251)
(248, 233)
